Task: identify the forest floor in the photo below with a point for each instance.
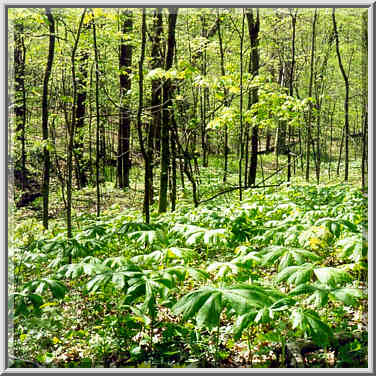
(278, 280)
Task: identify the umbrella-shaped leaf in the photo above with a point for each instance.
(347, 295)
(331, 276)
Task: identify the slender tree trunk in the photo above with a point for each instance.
(173, 170)
(71, 132)
(291, 91)
(203, 100)
(145, 152)
(20, 93)
(253, 28)
(280, 137)
(97, 133)
(365, 97)
(80, 116)
(331, 140)
(46, 153)
(340, 151)
(241, 109)
(346, 104)
(225, 94)
(124, 131)
(165, 158)
(156, 91)
(268, 140)
(90, 165)
(309, 137)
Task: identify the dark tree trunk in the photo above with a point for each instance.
(241, 142)
(97, 133)
(253, 29)
(71, 132)
(365, 97)
(20, 95)
(309, 137)
(81, 164)
(146, 153)
(156, 88)
(46, 153)
(165, 157)
(124, 131)
(268, 140)
(225, 94)
(280, 137)
(291, 91)
(346, 104)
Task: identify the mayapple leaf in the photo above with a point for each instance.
(331, 276)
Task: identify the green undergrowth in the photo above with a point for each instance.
(226, 284)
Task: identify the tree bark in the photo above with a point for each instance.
(20, 94)
(165, 157)
(241, 142)
(291, 90)
(71, 132)
(253, 29)
(124, 131)
(365, 100)
(97, 135)
(309, 137)
(145, 152)
(46, 153)
(346, 103)
(156, 90)
(225, 94)
(81, 164)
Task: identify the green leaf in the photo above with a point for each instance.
(243, 322)
(347, 295)
(57, 289)
(309, 322)
(296, 274)
(331, 276)
(209, 313)
(99, 281)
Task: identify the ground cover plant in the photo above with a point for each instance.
(240, 286)
(188, 188)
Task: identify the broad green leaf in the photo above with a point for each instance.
(331, 276)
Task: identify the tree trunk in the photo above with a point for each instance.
(97, 132)
(81, 164)
(156, 91)
(365, 97)
(165, 158)
(346, 104)
(280, 137)
(253, 29)
(46, 153)
(146, 153)
(241, 109)
(309, 137)
(225, 94)
(20, 94)
(291, 91)
(124, 131)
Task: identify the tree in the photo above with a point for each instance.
(309, 125)
(253, 30)
(71, 130)
(78, 147)
(346, 101)
(20, 94)
(156, 91)
(46, 153)
(124, 131)
(167, 93)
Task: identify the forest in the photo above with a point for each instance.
(187, 187)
